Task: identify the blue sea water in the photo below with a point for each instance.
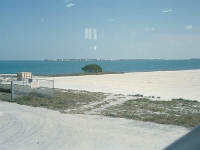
(67, 67)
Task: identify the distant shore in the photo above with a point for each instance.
(91, 59)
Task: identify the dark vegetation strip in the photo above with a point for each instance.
(76, 74)
(67, 99)
(5, 90)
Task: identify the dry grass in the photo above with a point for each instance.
(177, 112)
(5, 96)
(66, 99)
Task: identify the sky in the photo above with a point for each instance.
(99, 29)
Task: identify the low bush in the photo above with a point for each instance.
(92, 68)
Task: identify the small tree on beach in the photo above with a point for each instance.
(92, 68)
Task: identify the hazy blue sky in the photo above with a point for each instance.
(153, 29)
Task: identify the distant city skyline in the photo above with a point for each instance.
(99, 29)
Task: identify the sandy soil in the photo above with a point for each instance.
(24, 127)
(28, 128)
(163, 84)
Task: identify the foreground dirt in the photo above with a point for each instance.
(24, 127)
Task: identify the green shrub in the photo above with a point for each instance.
(92, 68)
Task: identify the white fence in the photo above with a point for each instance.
(39, 87)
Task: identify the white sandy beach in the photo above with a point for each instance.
(24, 127)
(164, 84)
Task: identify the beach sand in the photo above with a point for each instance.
(164, 84)
(24, 127)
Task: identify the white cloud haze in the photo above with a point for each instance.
(166, 11)
(189, 27)
(70, 5)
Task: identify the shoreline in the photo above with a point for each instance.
(100, 73)
(162, 85)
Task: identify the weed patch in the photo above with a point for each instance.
(62, 100)
(177, 112)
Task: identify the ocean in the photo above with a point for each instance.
(69, 67)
